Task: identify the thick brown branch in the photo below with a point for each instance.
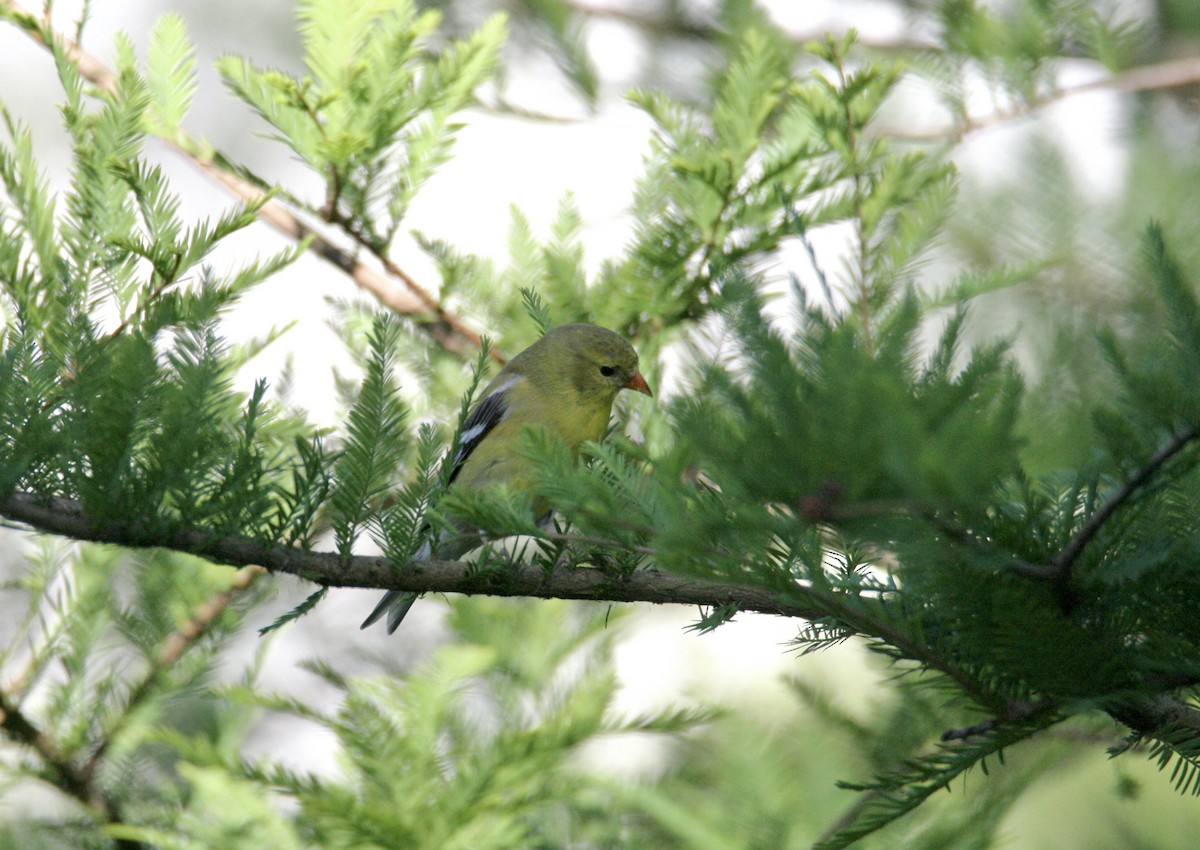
(64, 517)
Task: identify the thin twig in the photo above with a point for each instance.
(451, 322)
(1015, 711)
(412, 299)
(697, 28)
(960, 535)
(1158, 77)
(205, 615)
(1070, 553)
(1163, 75)
(849, 815)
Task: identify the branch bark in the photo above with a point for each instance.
(1152, 716)
(65, 517)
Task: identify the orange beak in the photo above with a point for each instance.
(637, 382)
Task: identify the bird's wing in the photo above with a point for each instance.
(486, 416)
(480, 421)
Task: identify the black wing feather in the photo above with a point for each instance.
(479, 424)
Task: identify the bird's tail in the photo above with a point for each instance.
(395, 603)
(452, 543)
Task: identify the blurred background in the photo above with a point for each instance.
(1065, 147)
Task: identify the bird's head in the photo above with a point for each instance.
(596, 361)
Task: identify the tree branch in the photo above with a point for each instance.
(1163, 75)
(63, 772)
(329, 569)
(65, 517)
(1152, 715)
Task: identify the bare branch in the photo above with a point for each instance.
(1164, 75)
(205, 615)
(412, 300)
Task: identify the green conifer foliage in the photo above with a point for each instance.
(845, 448)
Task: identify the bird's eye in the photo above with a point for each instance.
(608, 371)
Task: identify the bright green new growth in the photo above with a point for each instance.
(373, 117)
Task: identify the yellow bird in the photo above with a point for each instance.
(564, 384)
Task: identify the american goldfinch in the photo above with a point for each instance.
(563, 384)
